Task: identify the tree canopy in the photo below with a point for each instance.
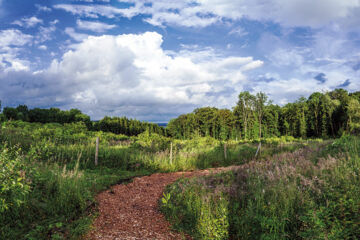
(320, 115)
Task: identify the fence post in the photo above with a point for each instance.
(225, 155)
(97, 151)
(171, 147)
(258, 149)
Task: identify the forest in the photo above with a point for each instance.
(324, 115)
(303, 184)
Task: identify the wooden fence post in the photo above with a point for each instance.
(171, 147)
(258, 149)
(97, 151)
(225, 155)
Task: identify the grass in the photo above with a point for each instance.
(50, 178)
(310, 193)
(60, 202)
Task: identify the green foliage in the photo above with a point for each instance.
(47, 186)
(188, 210)
(320, 116)
(61, 178)
(305, 194)
(129, 127)
(153, 141)
(49, 183)
(14, 185)
(58, 202)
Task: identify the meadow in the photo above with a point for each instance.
(49, 179)
(310, 193)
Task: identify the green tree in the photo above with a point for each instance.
(353, 111)
(260, 103)
(314, 104)
(10, 113)
(244, 108)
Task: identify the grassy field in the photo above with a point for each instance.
(310, 193)
(48, 178)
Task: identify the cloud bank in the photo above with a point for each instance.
(132, 75)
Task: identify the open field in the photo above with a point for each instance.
(49, 178)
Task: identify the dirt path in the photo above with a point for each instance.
(131, 211)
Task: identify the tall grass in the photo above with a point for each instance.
(312, 193)
(58, 196)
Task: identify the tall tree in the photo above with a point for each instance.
(353, 111)
(260, 102)
(314, 103)
(245, 107)
(301, 110)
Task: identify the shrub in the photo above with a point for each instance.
(153, 142)
(14, 185)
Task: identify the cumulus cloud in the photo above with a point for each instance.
(94, 26)
(12, 42)
(132, 75)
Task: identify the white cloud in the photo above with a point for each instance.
(43, 8)
(132, 75)
(42, 47)
(54, 22)
(75, 35)
(45, 33)
(94, 26)
(14, 37)
(201, 13)
(239, 31)
(93, 11)
(28, 22)
(289, 13)
(287, 57)
(11, 43)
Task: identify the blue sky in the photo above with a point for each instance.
(153, 60)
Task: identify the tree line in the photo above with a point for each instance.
(117, 125)
(130, 127)
(320, 115)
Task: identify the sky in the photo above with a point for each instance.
(154, 60)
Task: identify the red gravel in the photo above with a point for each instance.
(130, 211)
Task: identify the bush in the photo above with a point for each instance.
(14, 185)
(153, 142)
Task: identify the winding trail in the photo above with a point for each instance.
(130, 211)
